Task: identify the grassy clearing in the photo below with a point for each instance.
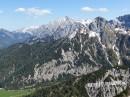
(14, 93)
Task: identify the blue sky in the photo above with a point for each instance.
(15, 14)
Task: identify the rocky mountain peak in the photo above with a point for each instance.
(125, 21)
(100, 19)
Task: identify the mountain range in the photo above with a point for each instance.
(68, 54)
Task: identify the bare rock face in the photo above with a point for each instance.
(124, 47)
(113, 83)
(125, 21)
(90, 48)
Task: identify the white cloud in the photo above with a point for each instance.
(20, 9)
(89, 9)
(34, 11)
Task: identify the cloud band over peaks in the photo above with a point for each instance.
(90, 9)
(34, 11)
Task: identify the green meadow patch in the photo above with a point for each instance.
(14, 93)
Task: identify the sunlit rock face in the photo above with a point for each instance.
(91, 47)
(113, 83)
